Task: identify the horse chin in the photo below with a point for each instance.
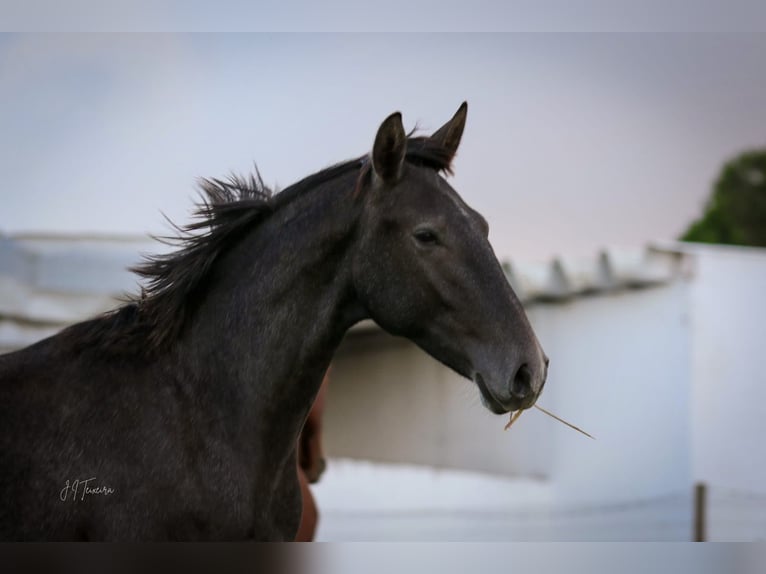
(488, 399)
(492, 406)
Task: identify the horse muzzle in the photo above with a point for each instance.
(520, 392)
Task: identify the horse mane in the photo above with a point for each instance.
(153, 319)
(225, 210)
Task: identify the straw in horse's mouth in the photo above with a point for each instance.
(515, 415)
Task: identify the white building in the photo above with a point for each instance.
(658, 353)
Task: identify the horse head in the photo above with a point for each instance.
(424, 269)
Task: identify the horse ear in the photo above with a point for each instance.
(389, 149)
(448, 136)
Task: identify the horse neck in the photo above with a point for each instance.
(280, 302)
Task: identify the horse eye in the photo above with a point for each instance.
(425, 236)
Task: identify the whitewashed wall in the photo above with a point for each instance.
(619, 369)
(729, 368)
(729, 394)
(390, 402)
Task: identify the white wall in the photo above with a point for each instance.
(729, 368)
(363, 501)
(619, 369)
(388, 401)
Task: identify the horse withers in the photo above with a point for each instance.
(176, 416)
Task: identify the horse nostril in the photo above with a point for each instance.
(521, 386)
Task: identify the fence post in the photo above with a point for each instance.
(700, 508)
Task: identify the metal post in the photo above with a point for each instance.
(700, 508)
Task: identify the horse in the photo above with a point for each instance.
(176, 415)
(311, 465)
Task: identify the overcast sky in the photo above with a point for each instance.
(573, 142)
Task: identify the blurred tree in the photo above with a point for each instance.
(736, 211)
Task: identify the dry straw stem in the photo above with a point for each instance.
(514, 416)
(517, 414)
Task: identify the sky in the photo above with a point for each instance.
(574, 142)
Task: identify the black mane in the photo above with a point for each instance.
(228, 208)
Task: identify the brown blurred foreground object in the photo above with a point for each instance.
(311, 465)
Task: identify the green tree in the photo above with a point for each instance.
(736, 211)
